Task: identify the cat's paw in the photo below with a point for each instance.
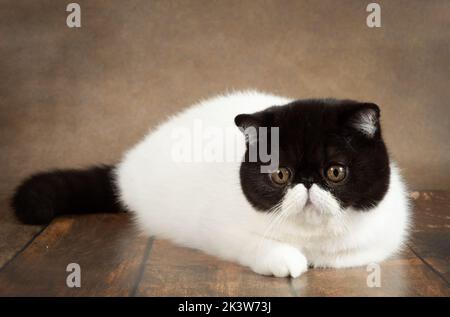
(282, 261)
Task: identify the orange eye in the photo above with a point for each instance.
(336, 173)
(281, 176)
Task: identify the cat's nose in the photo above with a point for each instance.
(307, 182)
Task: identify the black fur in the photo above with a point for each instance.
(45, 195)
(313, 135)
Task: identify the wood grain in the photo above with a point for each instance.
(116, 261)
(176, 271)
(403, 275)
(106, 247)
(431, 230)
(14, 236)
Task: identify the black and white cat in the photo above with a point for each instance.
(334, 200)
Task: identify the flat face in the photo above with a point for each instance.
(334, 144)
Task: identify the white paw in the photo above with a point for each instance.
(282, 261)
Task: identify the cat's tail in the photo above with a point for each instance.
(43, 196)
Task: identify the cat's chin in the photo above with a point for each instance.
(303, 211)
(309, 216)
(309, 204)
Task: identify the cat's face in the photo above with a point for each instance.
(331, 157)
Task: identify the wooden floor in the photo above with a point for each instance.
(116, 261)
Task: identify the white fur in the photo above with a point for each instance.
(201, 205)
(366, 122)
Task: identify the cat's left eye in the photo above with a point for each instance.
(281, 176)
(336, 173)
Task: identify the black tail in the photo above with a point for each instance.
(45, 195)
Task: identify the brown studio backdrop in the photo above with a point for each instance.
(75, 97)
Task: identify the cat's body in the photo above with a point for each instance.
(210, 205)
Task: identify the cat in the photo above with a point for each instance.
(335, 199)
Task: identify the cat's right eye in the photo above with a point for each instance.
(336, 173)
(281, 176)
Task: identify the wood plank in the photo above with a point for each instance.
(431, 232)
(403, 275)
(14, 236)
(106, 247)
(177, 271)
(115, 260)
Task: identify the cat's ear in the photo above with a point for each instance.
(244, 121)
(249, 124)
(365, 118)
